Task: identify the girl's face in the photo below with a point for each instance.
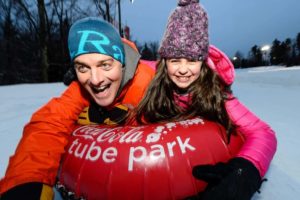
(183, 72)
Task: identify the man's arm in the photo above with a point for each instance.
(39, 151)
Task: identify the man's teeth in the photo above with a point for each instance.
(100, 88)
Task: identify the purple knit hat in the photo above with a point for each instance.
(186, 35)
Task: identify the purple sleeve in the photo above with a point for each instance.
(260, 140)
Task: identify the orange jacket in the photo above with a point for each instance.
(37, 157)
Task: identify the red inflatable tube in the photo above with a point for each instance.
(145, 162)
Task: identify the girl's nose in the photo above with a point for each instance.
(183, 69)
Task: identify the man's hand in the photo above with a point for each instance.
(30, 191)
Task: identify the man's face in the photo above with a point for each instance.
(100, 75)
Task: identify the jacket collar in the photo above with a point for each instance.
(132, 58)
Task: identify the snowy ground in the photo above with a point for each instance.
(273, 93)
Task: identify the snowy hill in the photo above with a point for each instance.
(273, 93)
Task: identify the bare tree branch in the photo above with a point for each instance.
(24, 7)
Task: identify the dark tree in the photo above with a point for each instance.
(43, 37)
(8, 34)
(146, 53)
(149, 50)
(237, 59)
(298, 42)
(298, 48)
(154, 49)
(287, 51)
(276, 52)
(255, 56)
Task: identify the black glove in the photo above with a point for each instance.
(236, 180)
(30, 191)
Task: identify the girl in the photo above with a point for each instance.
(193, 79)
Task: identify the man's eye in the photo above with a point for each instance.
(81, 68)
(106, 66)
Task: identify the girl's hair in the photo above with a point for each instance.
(208, 95)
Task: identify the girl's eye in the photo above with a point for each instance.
(193, 62)
(174, 61)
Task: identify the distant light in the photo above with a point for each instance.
(234, 58)
(265, 48)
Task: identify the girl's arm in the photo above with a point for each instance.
(260, 140)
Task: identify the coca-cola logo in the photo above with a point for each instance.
(130, 134)
(120, 134)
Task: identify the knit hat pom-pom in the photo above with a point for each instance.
(186, 2)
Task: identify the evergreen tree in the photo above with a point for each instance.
(255, 56)
(298, 43)
(287, 51)
(298, 48)
(275, 52)
(146, 53)
(237, 61)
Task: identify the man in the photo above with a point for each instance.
(109, 74)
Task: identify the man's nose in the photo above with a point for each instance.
(96, 76)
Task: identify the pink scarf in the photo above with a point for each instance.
(182, 100)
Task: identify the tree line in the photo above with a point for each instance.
(285, 53)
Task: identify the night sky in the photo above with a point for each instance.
(233, 24)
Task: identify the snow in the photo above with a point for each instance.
(273, 93)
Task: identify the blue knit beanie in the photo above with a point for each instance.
(94, 35)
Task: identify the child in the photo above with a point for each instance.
(188, 83)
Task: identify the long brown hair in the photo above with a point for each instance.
(208, 95)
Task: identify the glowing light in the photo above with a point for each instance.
(265, 48)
